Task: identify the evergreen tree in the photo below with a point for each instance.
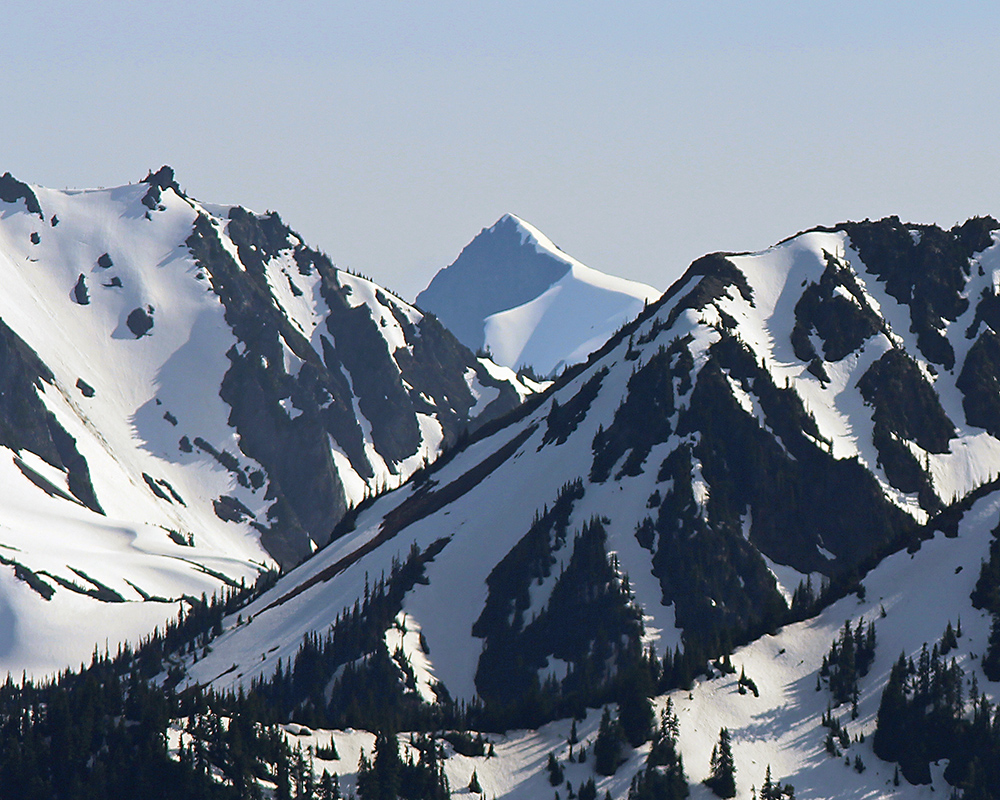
(722, 779)
(891, 726)
(986, 595)
(555, 770)
(991, 659)
(949, 640)
(607, 745)
(635, 713)
(768, 789)
(382, 780)
(327, 787)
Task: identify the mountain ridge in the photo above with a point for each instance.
(738, 459)
(788, 457)
(815, 561)
(209, 393)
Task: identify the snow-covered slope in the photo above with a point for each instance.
(778, 425)
(511, 290)
(722, 471)
(188, 395)
(713, 454)
(780, 420)
(911, 598)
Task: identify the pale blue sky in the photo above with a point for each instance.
(637, 135)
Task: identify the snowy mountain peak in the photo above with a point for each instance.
(787, 450)
(778, 420)
(514, 292)
(530, 235)
(189, 394)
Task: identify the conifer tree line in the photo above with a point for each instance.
(102, 732)
(121, 739)
(850, 657)
(924, 714)
(590, 622)
(663, 776)
(388, 777)
(986, 596)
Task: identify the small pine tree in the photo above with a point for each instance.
(767, 789)
(474, 786)
(949, 640)
(991, 659)
(722, 780)
(607, 745)
(555, 770)
(774, 790)
(635, 713)
(588, 790)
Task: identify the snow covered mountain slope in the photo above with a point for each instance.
(189, 395)
(724, 471)
(797, 412)
(511, 290)
(911, 599)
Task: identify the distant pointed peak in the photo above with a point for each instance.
(508, 219)
(529, 233)
(506, 222)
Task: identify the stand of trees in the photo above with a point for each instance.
(986, 596)
(849, 658)
(663, 776)
(924, 716)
